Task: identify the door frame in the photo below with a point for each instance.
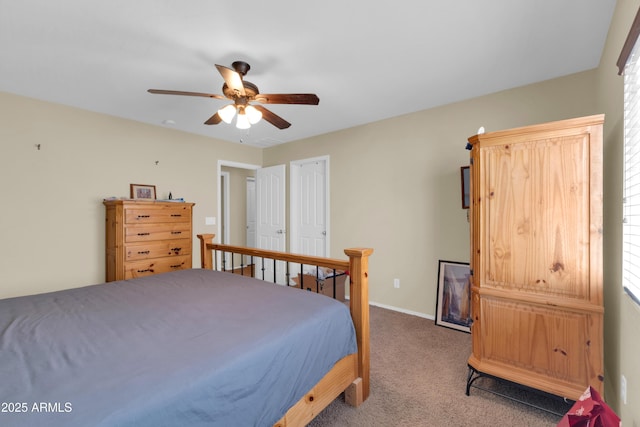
(219, 172)
(224, 234)
(224, 217)
(250, 179)
(294, 212)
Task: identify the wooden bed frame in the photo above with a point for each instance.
(350, 374)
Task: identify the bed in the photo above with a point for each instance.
(193, 347)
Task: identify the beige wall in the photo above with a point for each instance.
(395, 186)
(52, 217)
(622, 316)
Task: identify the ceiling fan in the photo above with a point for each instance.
(243, 93)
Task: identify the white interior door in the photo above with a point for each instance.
(271, 218)
(310, 207)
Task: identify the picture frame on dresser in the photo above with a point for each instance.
(453, 304)
(143, 191)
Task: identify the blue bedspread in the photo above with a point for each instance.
(190, 348)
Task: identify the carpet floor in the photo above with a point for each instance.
(418, 378)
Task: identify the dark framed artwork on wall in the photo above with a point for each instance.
(453, 304)
(464, 186)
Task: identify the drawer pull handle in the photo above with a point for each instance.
(148, 270)
(143, 234)
(144, 216)
(176, 215)
(143, 252)
(176, 249)
(176, 232)
(176, 266)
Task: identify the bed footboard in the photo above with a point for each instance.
(357, 266)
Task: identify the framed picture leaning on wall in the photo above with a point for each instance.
(453, 305)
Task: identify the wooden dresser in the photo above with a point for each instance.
(536, 256)
(147, 237)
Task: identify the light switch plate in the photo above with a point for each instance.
(210, 220)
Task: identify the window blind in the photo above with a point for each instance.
(631, 208)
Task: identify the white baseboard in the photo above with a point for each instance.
(402, 310)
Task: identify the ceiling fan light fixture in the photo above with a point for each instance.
(253, 114)
(227, 113)
(242, 122)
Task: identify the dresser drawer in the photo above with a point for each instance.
(155, 266)
(149, 215)
(149, 232)
(167, 248)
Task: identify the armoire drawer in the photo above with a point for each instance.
(156, 266)
(149, 232)
(165, 248)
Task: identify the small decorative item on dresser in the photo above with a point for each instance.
(142, 191)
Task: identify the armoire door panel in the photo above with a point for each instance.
(546, 341)
(535, 235)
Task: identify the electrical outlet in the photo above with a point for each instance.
(623, 389)
(396, 283)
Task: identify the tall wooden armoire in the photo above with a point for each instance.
(536, 256)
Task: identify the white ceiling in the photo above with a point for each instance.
(365, 60)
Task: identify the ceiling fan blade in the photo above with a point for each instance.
(232, 78)
(180, 92)
(213, 120)
(272, 118)
(288, 98)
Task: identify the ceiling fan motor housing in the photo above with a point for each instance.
(250, 90)
(241, 67)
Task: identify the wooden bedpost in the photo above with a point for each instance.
(358, 392)
(206, 257)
